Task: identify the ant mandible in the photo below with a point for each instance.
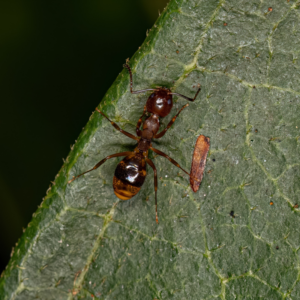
(131, 172)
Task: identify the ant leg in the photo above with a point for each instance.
(138, 125)
(151, 164)
(117, 127)
(100, 163)
(169, 158)
(159, 135)
(131, 91)
(187, 98)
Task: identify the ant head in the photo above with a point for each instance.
(160, 102)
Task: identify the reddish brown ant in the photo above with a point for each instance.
(131, 172)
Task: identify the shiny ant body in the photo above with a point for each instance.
(131, 172)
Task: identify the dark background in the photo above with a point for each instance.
(56, 62)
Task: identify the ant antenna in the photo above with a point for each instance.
(187, 98)
(131, 91)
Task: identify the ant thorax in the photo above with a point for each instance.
(143, 145)
(150, 127)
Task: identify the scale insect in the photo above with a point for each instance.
(131, 172)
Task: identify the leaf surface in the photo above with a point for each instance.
(238, 236)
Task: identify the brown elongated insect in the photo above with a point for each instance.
(199, 161)
(131, 172)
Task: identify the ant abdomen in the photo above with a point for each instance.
(160, 102)
(129, 176)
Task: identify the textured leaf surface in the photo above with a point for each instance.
(225, 242)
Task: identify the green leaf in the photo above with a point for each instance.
(238, 236)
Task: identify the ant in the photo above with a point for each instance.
(131, 172)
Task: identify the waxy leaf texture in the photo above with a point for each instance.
(238, 237)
